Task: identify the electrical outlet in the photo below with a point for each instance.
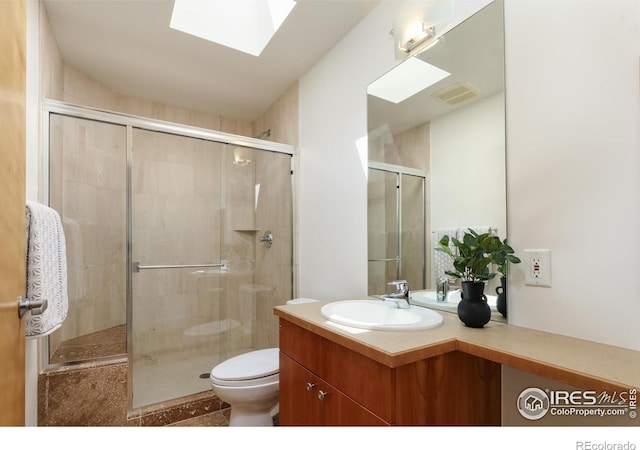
(538, 267)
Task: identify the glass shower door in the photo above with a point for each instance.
(87, 186)
(396, 229)
(176, 314)
(383, 223)
(179, 246)
(211, 255)
(413, 231)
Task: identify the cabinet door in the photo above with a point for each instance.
(299, 403)
(306, 399)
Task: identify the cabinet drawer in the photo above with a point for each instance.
(369, 383)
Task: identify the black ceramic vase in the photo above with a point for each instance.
(473, 309)
(501, 301)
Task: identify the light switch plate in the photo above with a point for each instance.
(537, 266)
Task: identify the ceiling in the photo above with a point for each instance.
(128, 46)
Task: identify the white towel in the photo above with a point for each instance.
(46, 269)
(482, 229)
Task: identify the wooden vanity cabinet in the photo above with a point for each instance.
(453, 388)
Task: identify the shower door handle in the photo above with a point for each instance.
(137, 267)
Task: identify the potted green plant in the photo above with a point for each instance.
(472, 258)
(501, 259)
(472, 263)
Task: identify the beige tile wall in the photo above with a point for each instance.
(282, 119)
(409, 148)
(51, 64)
(413, 147)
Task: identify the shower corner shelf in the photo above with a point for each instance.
(247, 230)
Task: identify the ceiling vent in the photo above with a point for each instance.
(457, 93)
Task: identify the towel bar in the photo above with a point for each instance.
(137, 267)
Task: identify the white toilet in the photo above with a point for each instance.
(250, 384)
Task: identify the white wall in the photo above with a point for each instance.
(333, 188)
(572, 162)
(467, 151)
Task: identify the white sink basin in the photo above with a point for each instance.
(429, 298)
(380, 315)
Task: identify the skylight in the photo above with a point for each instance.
(406, 79)
(244, 25)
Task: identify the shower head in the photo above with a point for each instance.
(265, 133)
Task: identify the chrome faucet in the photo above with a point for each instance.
(400, 296)
(442, 289)
(445, 285)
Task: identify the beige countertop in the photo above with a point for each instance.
(581, 363)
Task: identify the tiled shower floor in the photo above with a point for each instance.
(153, 382)
(108, 342)
(160, 381)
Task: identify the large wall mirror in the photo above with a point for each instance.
(437, 158)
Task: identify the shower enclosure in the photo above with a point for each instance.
(179, 245)
(396, 226)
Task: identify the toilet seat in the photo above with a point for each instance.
(258, 367)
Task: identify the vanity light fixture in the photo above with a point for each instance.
(418, 23)
(419, 34)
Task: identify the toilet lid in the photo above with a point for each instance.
(255, 364)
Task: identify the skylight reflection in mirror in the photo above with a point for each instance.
(405, 80)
